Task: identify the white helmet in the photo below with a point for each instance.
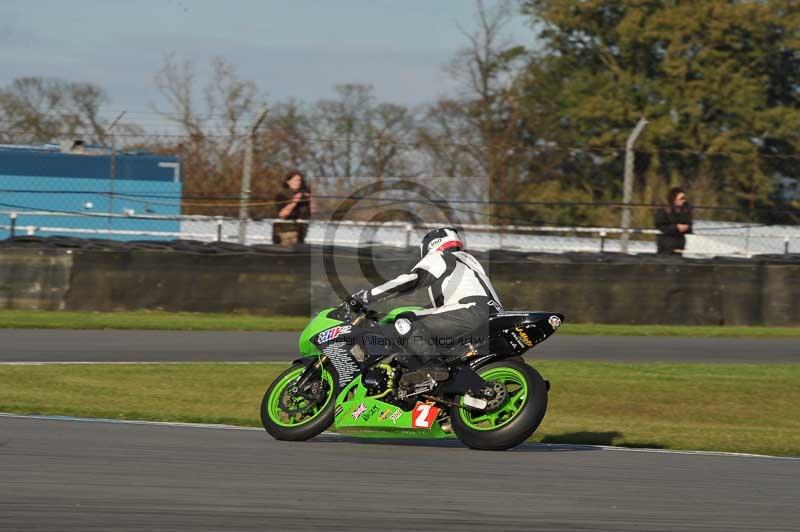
(444, 238)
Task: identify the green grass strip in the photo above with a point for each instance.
(713, 331)
(147, 320)
(193, 321)
(719, 407)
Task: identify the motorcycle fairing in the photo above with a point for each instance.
(329, 318)
(368, 417)
(513, 333)
(392, 315)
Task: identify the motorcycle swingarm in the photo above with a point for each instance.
(463, 381)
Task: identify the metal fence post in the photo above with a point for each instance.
(112, 173)
(786, 245)
(219, 229)
(247, 172)
(747, 242)
(602, 241)
(627, 187)
(13, 225)
(409, 228)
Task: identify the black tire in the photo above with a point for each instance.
(520, 428)
(306, 431)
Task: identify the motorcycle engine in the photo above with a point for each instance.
(375, 379)
(380, 378)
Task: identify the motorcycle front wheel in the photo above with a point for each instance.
(295, 415)
(515, 419)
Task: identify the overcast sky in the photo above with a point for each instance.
(291, 48)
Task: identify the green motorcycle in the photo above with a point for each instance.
(348, 377)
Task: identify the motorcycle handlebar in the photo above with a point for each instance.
(360, 313)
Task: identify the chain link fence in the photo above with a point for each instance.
(709, 239)
(147, 192)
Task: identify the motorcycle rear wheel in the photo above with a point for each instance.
(288, 416)
(516, 419)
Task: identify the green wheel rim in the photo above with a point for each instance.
(284, 419)
(517, 386)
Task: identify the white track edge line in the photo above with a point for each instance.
(126, 421)
(336, 434)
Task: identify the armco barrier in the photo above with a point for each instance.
(34, 278)
(202, 277)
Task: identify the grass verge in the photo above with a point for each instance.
(147, 320)
(717, 331)
(192, 321)
(720, 407)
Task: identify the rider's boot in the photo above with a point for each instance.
(421, 360)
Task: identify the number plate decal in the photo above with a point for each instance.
(423, 416)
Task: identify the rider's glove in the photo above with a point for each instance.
(358, 300)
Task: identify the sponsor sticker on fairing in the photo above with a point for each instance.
(523, 336)
(371, 412)
(359, 411)
(330, 334)
(396, 415)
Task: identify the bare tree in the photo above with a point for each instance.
(339, 133)
(353, 136)
(223, 109)
(214, 124)
(479, 133)
(451, 143)
(36, 109)
(388, 146)
(283, 142)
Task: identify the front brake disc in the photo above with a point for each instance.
(290, 399)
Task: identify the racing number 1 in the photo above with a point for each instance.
(423, 416)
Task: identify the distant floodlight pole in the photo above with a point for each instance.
(627, 187)
(247, 173)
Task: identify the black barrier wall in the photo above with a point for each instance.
(62, 274)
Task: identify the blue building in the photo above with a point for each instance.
(87, 192)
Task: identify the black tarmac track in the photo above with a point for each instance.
(26, 345)
(81, 476)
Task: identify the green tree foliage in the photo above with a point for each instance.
(480, 132)
(717, 80)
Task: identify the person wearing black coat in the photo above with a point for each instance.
(294, 202)
(674, 221)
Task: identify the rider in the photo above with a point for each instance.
(461, 294)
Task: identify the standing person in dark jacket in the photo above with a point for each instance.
(674, 221)
(294, 202)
